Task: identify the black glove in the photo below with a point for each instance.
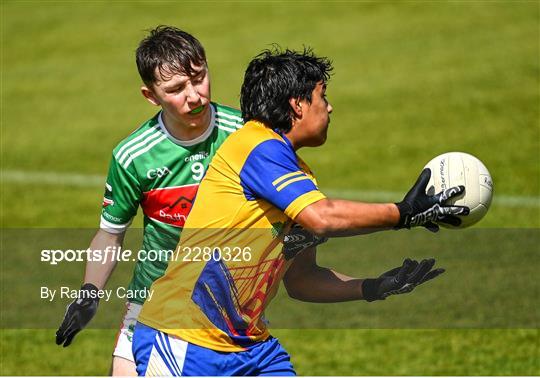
(78, 314)
(421, 209)
(399, 280)
(299, 239)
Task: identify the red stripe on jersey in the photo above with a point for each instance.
(169, 205)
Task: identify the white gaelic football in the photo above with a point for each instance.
(458, 168)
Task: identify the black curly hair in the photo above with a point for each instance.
(274, 77)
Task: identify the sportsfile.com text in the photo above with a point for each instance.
(186, 254)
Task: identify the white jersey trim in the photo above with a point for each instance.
(142, 151)
(192, 142)
(230, 116)
(133, 151)
(226, 129)
(112, 228)
(229, 123)
(133, 141)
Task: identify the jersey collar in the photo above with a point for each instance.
(192, 142)
(282, 135)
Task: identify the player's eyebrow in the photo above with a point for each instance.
(176, 83)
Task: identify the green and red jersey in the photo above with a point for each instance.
(161, 174)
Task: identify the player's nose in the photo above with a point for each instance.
(192, 94)
(329, 108)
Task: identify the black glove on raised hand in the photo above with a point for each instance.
(78, 314)
(399, 280)
(299, 239)
(421, 209)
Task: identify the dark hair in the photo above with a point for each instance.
(274, 77)
(170, 50)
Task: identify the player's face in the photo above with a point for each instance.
(185, 100)
(315, 117)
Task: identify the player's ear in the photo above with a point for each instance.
(149, 95)
(296, 107)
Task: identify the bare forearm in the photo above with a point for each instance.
(323, 285)
(332, 217)
(98, 272)
(308, 282)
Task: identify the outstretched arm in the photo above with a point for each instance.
(308, 282)
(334, 217)
(330, 217)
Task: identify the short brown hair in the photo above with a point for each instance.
(170, 50)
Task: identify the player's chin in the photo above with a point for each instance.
(317, 141)
(323, 136)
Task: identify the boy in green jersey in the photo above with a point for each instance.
(158, 167)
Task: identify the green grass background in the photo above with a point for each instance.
(412, 80)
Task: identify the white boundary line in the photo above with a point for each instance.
(83, 180)
(51, 178)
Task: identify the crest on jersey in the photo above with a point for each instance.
(108, 196)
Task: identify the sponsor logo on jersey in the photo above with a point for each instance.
(111, 218)
(157, 172)
(198, 156)
(170, 205)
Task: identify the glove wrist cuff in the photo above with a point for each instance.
(89, 292)
(370, 287)
(405, 211)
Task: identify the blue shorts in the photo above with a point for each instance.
(158, 354)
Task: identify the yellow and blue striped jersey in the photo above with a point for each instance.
(229, 261)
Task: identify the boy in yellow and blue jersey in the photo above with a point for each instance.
(206, 314)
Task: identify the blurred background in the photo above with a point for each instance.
(412, 80)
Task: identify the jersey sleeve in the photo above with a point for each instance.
(271, 172)
(121, 199)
